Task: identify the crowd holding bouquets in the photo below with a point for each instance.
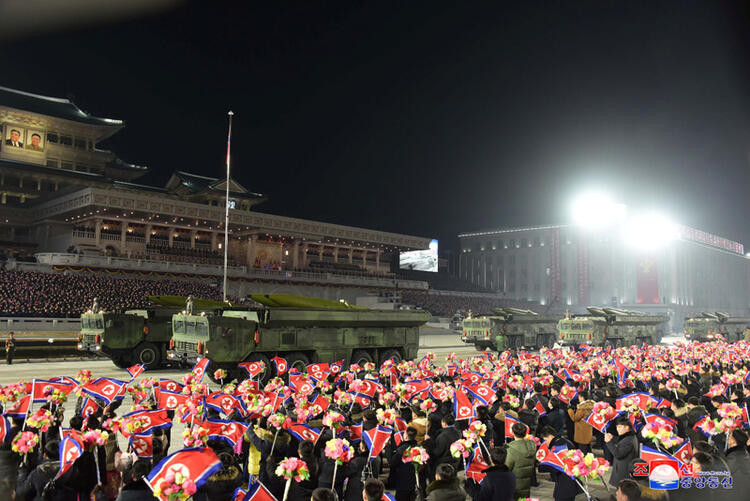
(487, 417)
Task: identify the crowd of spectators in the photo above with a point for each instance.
(182, 255)
(442, 305)
(441, 281)
(68, 294)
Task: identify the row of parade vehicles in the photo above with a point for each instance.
(299, 330)
(513, 328)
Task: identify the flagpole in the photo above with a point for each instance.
(226, 211)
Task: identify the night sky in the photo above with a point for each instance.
(425, 118)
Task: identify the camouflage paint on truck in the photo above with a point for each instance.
(133, 337)
(709, 326)
(613, 327)
(510, 328)
(319, 332)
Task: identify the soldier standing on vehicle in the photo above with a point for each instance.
(10, 348)
(189, 305)
(95, 306)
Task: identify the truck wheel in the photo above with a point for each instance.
(120, 362)
(264, 376)
(361, 357)
(148, 354)
(479, 346)
(391, 354)
(296, 360)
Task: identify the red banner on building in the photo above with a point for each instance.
(647, 279)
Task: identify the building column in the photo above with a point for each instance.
(149, 229)
(304, 256)
(193, 234)
(248, 253)
(123, 232)
(252, 251)
(98, 232)
(320, 252)
(295, 255)
(170, 237)
(351, 254)
(336, 254)
(213, 240)
(377, 260)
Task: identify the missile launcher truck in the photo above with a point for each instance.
(510, 328)
(299, 329)
(711, 326)
(611, 327)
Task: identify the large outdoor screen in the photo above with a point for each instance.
(420, 260)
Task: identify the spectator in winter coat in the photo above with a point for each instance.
(566, 488)
(223, 483)
(439, 448)
(401, 477)
(499, 483)
(628, 490)
(446, 486)
(738, 460)
(583, 432)
(354, 470)
(134, 488)
(556, 415)
(528, 415)
(521, 455)
(419, 423)
(701, 461)
(31, 486)
(624, 449)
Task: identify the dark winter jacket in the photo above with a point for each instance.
(556, 419)
(220, 486)
(439, 448)
(136, 491)
(31, 487)
(738, 461)
(565, 487)
(624, 448)
(499, 484)
(263, 441)
(520, 460)
(353, 472)
(401, 476)
(8, 470)
(530, 418)
(443, 490)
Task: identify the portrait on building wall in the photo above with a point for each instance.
(14, 136)
(34, 140)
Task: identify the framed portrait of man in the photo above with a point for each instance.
(34, 140)
(14, 136)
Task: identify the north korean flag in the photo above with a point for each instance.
(355, 432)
(684, 453)
(540, 408)
(304, 432)
(648, 454)
(225, 403)
(4, 429)
(317, 399)
(476, 464)
(136, 370)
(170, 400)
(416, 388)
(200, 368)
(658, 418)
(362, 400)
(481, 392)
(424, 364)
(18, 409)
(194, 463)
(745, 415)
(337, 366)
(70, 450)
(280, 364)
(509, 422)
(400, 423)
(462, 408)
(142, 444)
(550, 458)
(105, 389)
(170, 385)
(700, 425)
(600, 422)
(89, 407)
(38, 386)
(229, 431)
(151, 420)
(376, 438)
(257, 492)
(253, 369)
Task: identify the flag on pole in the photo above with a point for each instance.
(136, 370)
(376, 438)
(280, 364)
(194, 463)
(70, 450)
(257, 492)
(200, 368)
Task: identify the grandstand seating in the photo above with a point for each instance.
(35, 294)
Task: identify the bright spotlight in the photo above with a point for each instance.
(596, 210)
(650, 231)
